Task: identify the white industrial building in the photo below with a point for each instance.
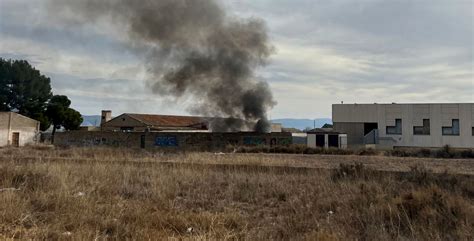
(405, 125)
(17, 130)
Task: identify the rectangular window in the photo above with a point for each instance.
(422, 130)
(395, 130)
(451, 130)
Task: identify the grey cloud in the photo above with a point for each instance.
(193, 50)
(396, 50)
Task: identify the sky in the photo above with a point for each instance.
(355, 51)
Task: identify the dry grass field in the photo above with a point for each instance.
(86, 194)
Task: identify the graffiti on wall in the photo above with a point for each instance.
(193, 140)
(166, 141)
(89, 142)
(280, 142)
(284, 141)
(254, 141)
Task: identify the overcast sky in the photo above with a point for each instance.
(361, 51)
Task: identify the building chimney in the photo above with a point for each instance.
(106, 116)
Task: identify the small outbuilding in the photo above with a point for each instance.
(326, 138)
(18, 130)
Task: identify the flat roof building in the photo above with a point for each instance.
(405, 125)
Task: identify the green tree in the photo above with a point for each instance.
(327, 126)
(61, 115)
(73, 119)
(24, 89)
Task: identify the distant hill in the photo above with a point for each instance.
(91, 120)
(303, 123)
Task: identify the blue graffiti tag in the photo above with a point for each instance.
(166, 141)
(254, 141)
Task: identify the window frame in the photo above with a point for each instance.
(425, 129)
(398, 129)
(452, 128)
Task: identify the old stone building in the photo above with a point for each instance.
(17, 130)
(128, 122)
(145, 122)
(171, 141)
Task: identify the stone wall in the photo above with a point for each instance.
(170, 140)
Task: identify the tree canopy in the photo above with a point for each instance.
(25, 90)
(61, 115)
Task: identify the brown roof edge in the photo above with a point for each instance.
(123, 115)
(167, 120)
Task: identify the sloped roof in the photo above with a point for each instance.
(19, 115)
(169, 120)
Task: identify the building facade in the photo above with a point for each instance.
(171, 141)
(129, 122)
(17, 130)
(326, 138)
(406, 125)
(144, 122)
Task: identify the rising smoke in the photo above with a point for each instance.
(193, 49)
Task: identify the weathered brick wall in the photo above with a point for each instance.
(170, 140)
(97, 138)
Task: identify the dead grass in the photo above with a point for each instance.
(445, 152)
(123, 194)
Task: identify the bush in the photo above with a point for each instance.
(292, 149)
(467, 154)
(367, 152)
(445, 152)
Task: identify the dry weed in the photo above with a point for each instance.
(90, 194)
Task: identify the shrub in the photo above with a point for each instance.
(467, 154)
(424, 152)
(445, 152)
(367, 152)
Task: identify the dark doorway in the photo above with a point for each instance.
(16, 139)
(142, 141)
(333, 141)
(320, 140)
(368, 127)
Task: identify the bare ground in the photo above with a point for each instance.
(48, 193)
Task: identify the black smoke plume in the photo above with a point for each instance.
(193, 49)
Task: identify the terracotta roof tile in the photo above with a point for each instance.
(171, 121)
